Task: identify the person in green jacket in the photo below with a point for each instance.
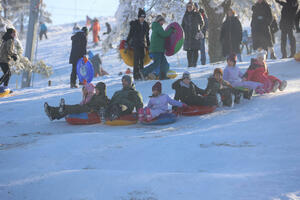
(124, 101)
(97, 101)
(157, 49)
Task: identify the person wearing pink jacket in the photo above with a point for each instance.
(88, 91)
(158, 104)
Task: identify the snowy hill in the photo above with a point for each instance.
(249, 152)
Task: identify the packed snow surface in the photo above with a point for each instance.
(249, 152)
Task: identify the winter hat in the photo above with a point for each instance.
(232, 58)
(157, 87)
(8, 33)
(187, 75)
(141, 13)
(128, 79)
(196, 5)
(160, 18)
(262, 55)
(190, 4)
(85, 30)
(101, 87)
(218, 71)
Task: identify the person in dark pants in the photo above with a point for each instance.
(192, 23)
(6, 55)
(297, 22)
(204, 29)
(79, 42)
(287, 22)
(97, 101)
(43, 31)
(260, 25)
(231, 35)
(138, 39)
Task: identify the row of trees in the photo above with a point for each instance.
(174, 11)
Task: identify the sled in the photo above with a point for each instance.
(127, 55)
(85, 70)
(172, 74)
(195, 110)
(162, 119)
(5, 93)
(83, 118)
(124, 120)
(174, 42)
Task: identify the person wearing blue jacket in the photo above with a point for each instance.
(43, 30)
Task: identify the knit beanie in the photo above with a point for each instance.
(128, 79)
(157, 87)
(101, 87)
(159, 18)
(218, 71)
(186, 74)
(141, 13)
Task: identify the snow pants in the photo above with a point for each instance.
(69, 109)
(159, 61)
(138, 63)
(6, 74)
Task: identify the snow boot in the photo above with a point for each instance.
(275, 86)
(47, 111)
(219, 100)
(73, 86)
(61, 109)
(248, 95)
(282, 85)
(237, 98)
(148, 114)
(141, 114)
(115, 112)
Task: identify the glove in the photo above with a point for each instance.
(14, 57)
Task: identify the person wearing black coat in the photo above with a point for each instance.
(260, 25)
(297, 22)
(192, 23)
(108, 28)
(79, 42)
(231, 35)
(138, 39)
(287, 23)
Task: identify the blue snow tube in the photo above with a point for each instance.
(85, 71)
(162, 119)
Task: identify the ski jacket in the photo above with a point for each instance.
(213, 86)
(157, 44)
(90, 89)
(159, 104)
(139, 34)
(6, 50)
(79, 42)
(288, 14)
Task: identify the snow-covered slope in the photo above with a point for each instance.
(250, 151)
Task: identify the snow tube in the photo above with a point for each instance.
(83, 118)
(297, 56)
(162, 119)
(124, 120)
(174, 42)
(3, 92)
(85, 70)
(127, 55)
(195, 110)
(171, 74)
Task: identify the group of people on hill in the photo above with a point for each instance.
(222, 89)
(263, 28)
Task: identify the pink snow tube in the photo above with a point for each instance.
(174, 42)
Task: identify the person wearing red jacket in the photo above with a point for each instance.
(96, 30)
(258, 72)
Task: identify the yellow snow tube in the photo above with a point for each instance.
(123, 120)
(127, 55)
(5, 93)
(172, 74)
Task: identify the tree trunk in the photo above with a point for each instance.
(215, 17)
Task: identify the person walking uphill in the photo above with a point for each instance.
(79, 42)
(124, 101)
(157, 49)
(43, 30)
(260, 25)
(231, 35)
(286, 24)
(192, 23)
(138, 39)
(96, 30)
(6, 55)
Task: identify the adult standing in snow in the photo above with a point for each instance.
(96, 30)
(43, 30)
(108, 28)
(6, 55)
(274, 28)
(157, 49)
(192, 23)
(231, 35)
(260, 25)
(204, 29)
(286, 24)
(138, 39)
(124, 101)
(79, 42)
(297, 22)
